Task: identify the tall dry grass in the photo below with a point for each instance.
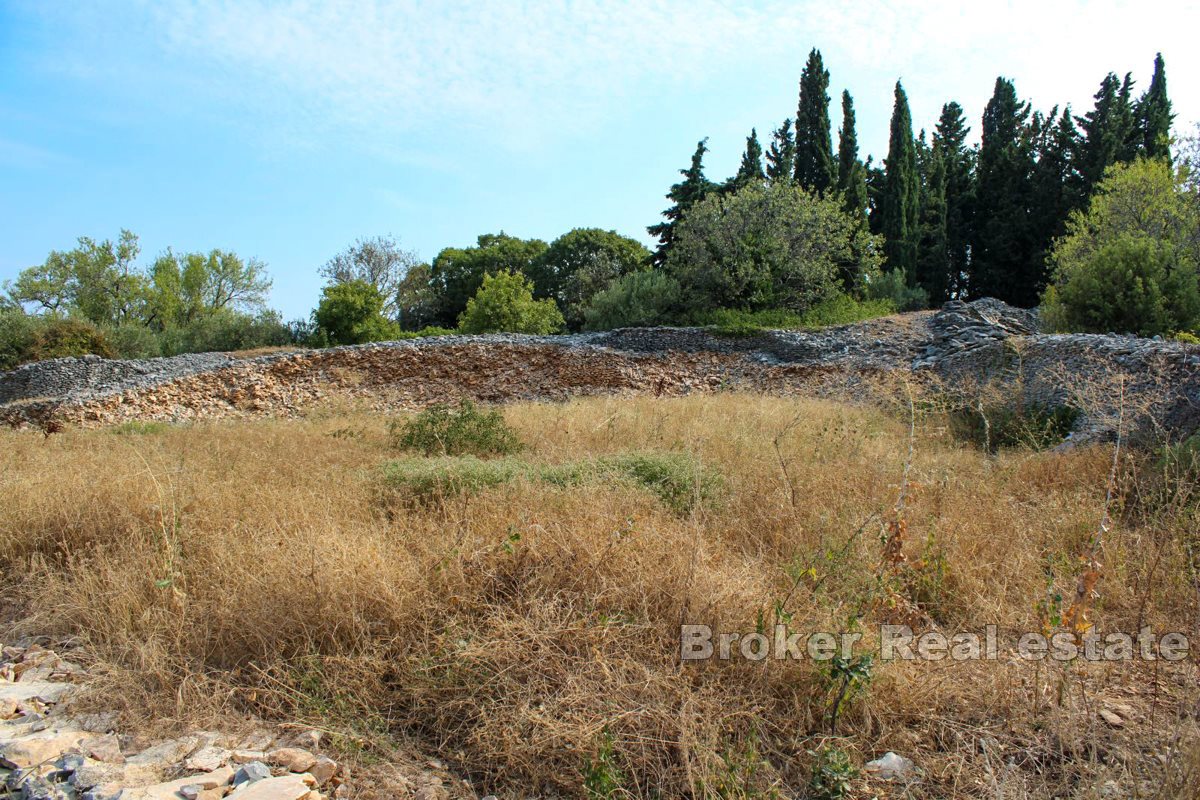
(530, 631)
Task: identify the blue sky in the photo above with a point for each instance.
(285, 130)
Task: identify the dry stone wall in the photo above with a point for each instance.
(960, 344)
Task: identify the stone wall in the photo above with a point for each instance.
(959, 345)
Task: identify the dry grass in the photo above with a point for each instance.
(251, 567)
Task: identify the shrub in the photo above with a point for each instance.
(677, 479)
(432, 478)
(17, 330)
(60, 338)
(505, 304)
(136, 427)
(227, 331)
(1130, 285)
(893, 287)
(136, 341)
(1129, 262)
(351, 313)
(647, 297)
(774, 246)
(429, 330)
(444, 430)
(582, 263)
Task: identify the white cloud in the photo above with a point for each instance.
(526, 71)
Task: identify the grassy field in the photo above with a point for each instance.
(520, 616)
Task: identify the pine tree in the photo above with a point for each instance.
(900, 204)
(1153, 115)
(815, 168)
(751, 169)
(683, 195)
(950, 138)
(1002, 254)
(852, 175)
(781, 155)
(933, 258)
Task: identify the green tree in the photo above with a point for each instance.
(933, 270)
(769, 246)
(416, 301)
(643, 298)
(781, 155)
(852, 175)
(457, 273)
(815, 168)
(1002, 253)
(1153, 115)
(352, 313)
(751, 169)
(950, 139)
(900, 204)
(1130, 261)
(581, 263)
(183, 288)
(1105, 130)
(683, 195)
(379, 261)
(505, 304)
(1055, 184)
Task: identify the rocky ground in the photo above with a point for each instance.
(961, 343)
(53, 747)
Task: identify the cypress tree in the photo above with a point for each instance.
(1106, 131)
(933, 258)
(876, 189)
(1056, 185)
(1001, 254)
(751, 169)
(815, 168)
(950, 139)
(781, 155)
(1153, 115)
(683, 195)
(900, 204)
(852, 175)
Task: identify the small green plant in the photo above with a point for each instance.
(449, 431)
(849, 676)
(602, 779)
(1186, 337)
(832, 772)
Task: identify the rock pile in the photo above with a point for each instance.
(49, 753)
(963, 342)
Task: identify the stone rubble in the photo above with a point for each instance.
(48, 753)
(961, 343)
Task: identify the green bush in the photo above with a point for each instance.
(639, 299)
(1186, 337)
(227, 331)
(428, 330)
(445, 430)
(1132, 284)
(893, 287)
(351, 313)
(769, 246)
(1129, 262)
(17, 330)
(61, 338)
(136, 427)
(505, 304)
(136, 341)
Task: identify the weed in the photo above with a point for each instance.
(135, 427)
(602, 779)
